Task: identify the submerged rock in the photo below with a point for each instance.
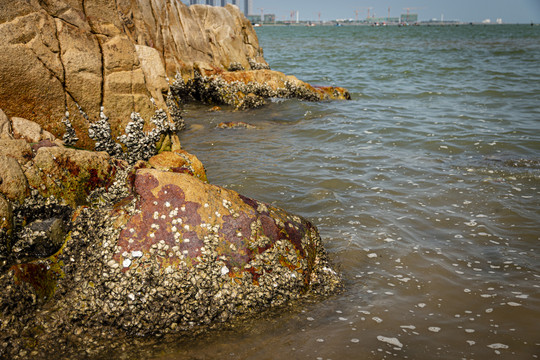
(235, 125)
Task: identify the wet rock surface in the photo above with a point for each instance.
(235, 125)
(98, 248)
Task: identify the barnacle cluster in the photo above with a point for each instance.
(139, 145)
(257, 65)
(240, 95)
(100, 132)
(70, 137)
(235, 66)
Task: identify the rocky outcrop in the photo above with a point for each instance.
(249, 89)
(90, 245)
(131, 238)
(117, 55)
(56, 55)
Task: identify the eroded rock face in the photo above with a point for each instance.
(57, 54)
(68, 55)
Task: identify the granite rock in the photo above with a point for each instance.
(5, 126)
(59, 55)
(13, 183)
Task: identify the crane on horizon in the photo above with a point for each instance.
(368, 10)
(411, 8)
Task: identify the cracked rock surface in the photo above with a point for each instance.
(115, 54)
(77, 57)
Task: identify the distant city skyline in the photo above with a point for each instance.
(510, 11)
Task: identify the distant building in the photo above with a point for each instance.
(256, 19)
(409, 18)
(383, 20)
(248, 7)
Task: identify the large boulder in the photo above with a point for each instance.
(90, 244)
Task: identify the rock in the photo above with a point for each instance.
(100, 244)
(71, 174)
(92, 244)
(13, 183)
(249, 89)
(5, 126)
(29, 131)
(68, 55)
(235, 125)
(17, 149)
(40, 239)
(25, 129)
(110, 53)
(275, 81)
(6, 227)
(265, 250)
(154, 72)
(179, 161)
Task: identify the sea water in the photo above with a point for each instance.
(425, 188)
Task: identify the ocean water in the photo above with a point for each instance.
(425, 188)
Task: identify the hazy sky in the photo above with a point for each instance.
(510, 11)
